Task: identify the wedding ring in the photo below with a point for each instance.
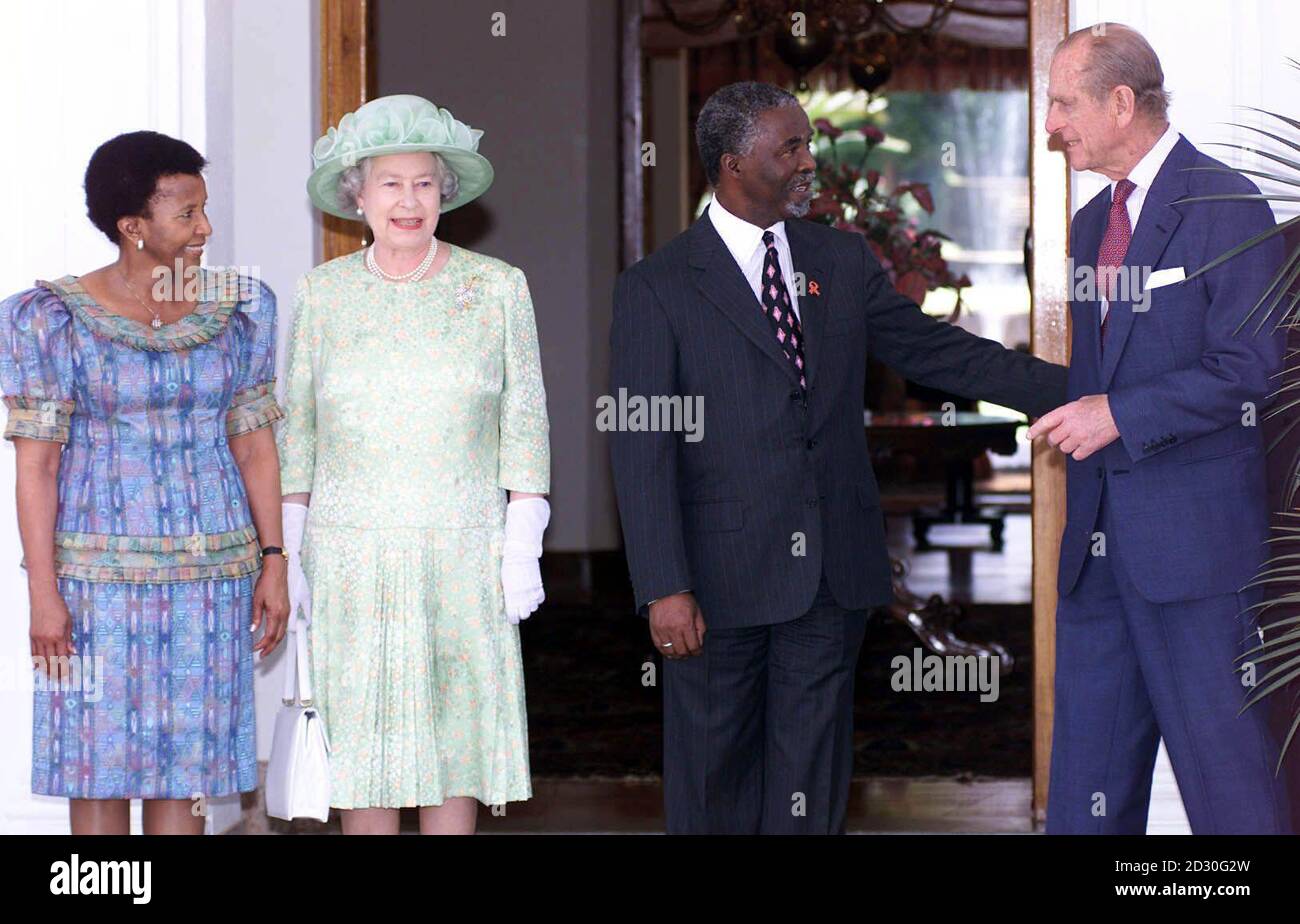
(666, 645)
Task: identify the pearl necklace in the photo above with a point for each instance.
(373, 265)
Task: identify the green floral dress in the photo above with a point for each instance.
(411, 409)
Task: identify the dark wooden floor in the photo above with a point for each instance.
(879, 805)
(882, 805)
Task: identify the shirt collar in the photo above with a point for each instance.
(741, 237)
(1144, 173)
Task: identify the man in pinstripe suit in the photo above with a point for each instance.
(768, 530)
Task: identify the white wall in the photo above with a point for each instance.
(73, 73)
(1216, 57)
(263, 99)
(237, 79)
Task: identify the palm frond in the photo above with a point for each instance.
(1286, 744)
(1284, 161)
(1264, 646)
(1273, 625)
(1283, 435)
(1281, 118)
(1289, 266)
(1244, 246)
(1273, 643)
(1277, 682)
(1269, 135)
(1284, 650)
(1294, 263)
(1275, 177)
(1236, 197)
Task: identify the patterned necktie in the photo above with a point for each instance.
(1114, 245)
(775, 299)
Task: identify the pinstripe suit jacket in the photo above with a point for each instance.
(779, 489)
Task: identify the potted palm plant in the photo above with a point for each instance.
(1275, 662)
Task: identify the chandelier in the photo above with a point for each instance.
(872, 34)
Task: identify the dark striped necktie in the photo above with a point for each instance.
(775, 299)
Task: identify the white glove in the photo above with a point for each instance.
(521, 576)
(294, 522)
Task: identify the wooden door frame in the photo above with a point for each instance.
(631, 130)
(346, 81)
(1049, 217)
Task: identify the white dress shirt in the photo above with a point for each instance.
(1142, 176)
(745, 241)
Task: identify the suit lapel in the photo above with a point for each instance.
(720, 281)
(1092, 226)
(1155, 227)
(812, 263)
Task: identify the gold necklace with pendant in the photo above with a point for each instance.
(156, 323)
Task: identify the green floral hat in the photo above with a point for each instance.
(397, 125)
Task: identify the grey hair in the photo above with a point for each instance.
(1118, 55)
(728, 121)
(353, 178)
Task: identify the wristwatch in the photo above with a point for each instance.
(273, 550)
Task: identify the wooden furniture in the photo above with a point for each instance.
(958, 438)
(934, 621)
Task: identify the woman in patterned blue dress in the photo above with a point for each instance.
(139, 401)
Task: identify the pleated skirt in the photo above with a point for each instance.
(416, 671)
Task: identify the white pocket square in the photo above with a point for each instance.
(1164, 277)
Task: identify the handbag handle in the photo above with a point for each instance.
(297, 668)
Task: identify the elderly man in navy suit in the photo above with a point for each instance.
(1166, 501)
(767, 533)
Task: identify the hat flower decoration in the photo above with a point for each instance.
(401, 124)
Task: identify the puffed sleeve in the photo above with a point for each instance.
(525, 454)
(297, 439)
(253, 405)
(36, 365)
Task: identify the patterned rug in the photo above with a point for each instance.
(590, 712)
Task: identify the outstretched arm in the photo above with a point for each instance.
(943, 356)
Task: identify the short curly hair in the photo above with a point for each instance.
(123, 175)
(728, 121)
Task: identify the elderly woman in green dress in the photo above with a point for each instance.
(414, 460)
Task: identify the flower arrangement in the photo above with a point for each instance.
(852, 198)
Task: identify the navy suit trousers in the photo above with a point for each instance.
(1129, 672)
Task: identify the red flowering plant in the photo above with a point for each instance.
(852, 198)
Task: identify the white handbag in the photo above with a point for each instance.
(298, 776)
